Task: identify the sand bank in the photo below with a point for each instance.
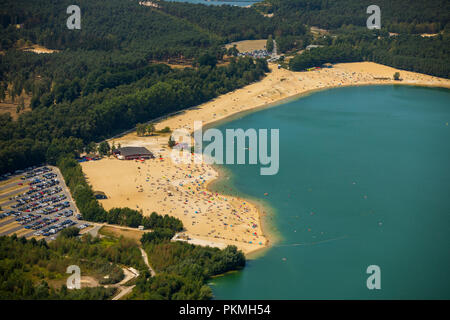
(180, 190)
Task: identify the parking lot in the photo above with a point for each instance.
(37, 203)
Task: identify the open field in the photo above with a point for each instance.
(248, 45)
(180, 190)
(117, 232)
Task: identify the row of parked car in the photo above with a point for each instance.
(9, 174)
(25, 219)
(12, 213)
(41, 223)
(33, 172)
(39, 184)
(66, 213)
(36, 195)
(44, 207)
(46, 204)
(49, 175)
(54, 229)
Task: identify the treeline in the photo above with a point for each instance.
(105, 25)
(318, 56)
(163, 227)
(92, 210)
(97, 111)
(31, 269)
(234, 23)
(405, 16)
(407, 52)
(92, 90)
(182, 269)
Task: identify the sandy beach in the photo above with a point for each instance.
(180, 190)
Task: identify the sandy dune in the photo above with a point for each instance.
(248, 45)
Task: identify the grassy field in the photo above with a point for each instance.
(114, 232)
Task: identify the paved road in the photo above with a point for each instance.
(4, 223)
(7, 203)
(10, 185)
(94, 230)
(12, 230)
(12, 193)
(275, 50)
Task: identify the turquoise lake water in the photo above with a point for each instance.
(364, 180)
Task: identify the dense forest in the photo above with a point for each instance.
(105, 25)
(403, 16)
(102, 80)
(182, 269)
(233, 23)
(67, 115)
(408, 52)
(111, 75)
(31, 269)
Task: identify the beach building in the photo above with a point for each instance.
(130, 153)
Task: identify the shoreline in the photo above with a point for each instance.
(272, 238)
(431, 81)
(278, 87)
(264, 211)
(284, 100)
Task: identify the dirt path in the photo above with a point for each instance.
(145, 257)
(123, 292)
(130, 273)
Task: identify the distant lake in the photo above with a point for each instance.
(364, 180)
(218, 3)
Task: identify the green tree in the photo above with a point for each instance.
(397, 76)
(165, 130)
(91, 147)
(104, 148)
(71, 232)
(150, 129)
(140, 129)
(233, 51)
(269, 44)
(207, 59)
